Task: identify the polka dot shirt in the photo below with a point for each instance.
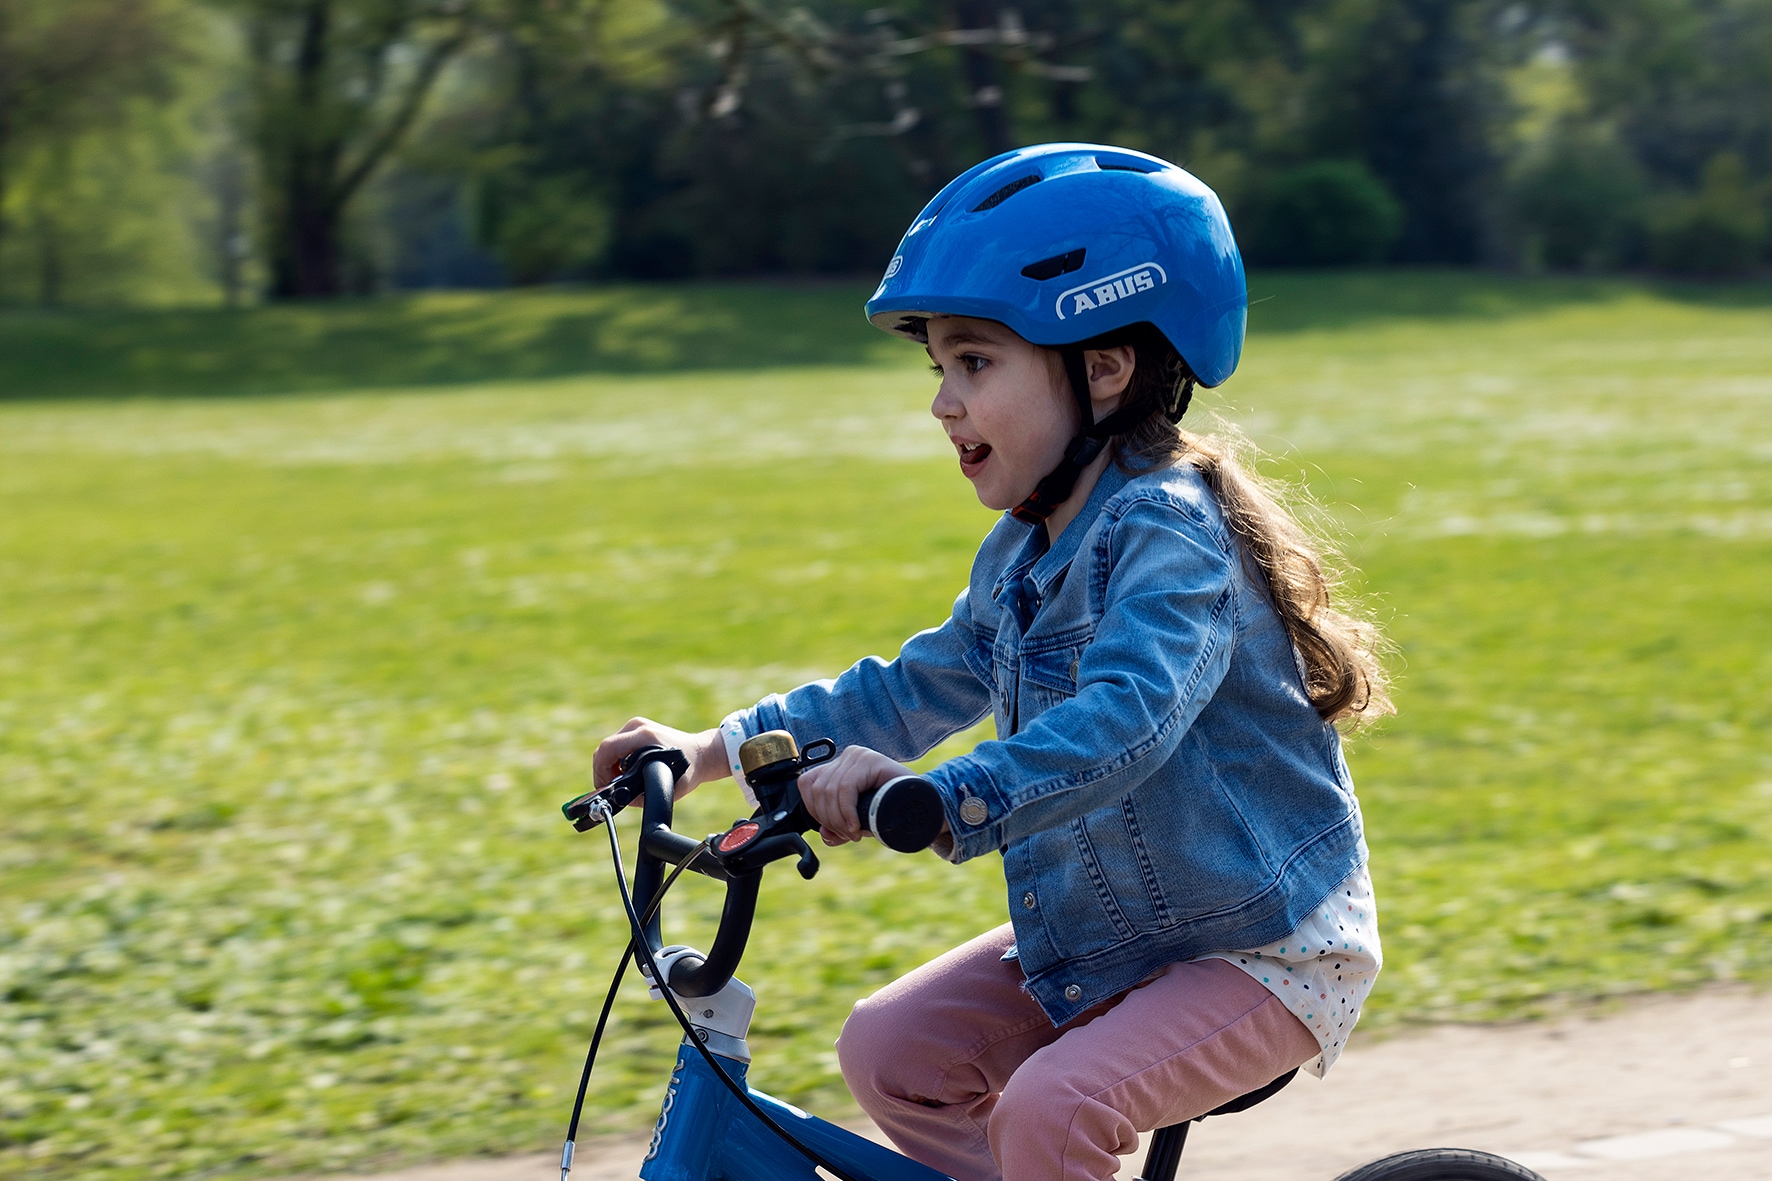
(1324, 970)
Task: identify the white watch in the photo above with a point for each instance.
(732, 732)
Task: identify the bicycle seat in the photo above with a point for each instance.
(1245, 1102)
(1166, 1145)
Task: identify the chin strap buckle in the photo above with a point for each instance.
(1056, 487)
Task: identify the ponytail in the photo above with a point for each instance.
(1339, 651)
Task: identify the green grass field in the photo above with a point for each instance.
(310, 617)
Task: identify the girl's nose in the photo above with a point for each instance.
(946, 405)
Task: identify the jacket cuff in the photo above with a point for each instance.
(975, 807)
(768, 714)
(943, 847)
(741, 724)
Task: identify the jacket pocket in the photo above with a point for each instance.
(1049, 671)
(1199, 818)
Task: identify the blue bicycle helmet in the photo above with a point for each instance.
(1064, 243)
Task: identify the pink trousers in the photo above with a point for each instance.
(959, 1066)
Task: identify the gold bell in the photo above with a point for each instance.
(766, 749)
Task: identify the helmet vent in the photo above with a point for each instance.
(1058, 264)
(1007, 191)
(1108, 164)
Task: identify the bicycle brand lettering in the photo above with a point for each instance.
(664, 1111)
(1101, 292)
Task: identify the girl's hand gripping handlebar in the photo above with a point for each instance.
(904, 813)
(627, 787)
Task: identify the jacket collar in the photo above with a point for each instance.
(1057, 558)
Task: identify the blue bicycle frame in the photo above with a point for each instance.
(704, 1134)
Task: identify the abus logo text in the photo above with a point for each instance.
(1100, 292)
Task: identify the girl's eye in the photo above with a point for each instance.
(970, 362)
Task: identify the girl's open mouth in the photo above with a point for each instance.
(972, 457)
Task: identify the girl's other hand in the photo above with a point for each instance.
(829, 790)
(706, 752)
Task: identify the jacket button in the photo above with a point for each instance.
(1075, 661)
(974, 811)
(1027, 900)
(1073, 992)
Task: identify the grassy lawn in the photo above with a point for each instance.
(299, 654)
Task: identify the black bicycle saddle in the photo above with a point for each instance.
(1245, 1102)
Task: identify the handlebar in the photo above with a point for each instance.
(904, 813)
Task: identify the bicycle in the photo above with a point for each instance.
(712, 1126)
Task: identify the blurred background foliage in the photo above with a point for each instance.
(175, 151)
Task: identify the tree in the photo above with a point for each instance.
(726, 136)
(67, 66)
(336, 86)
(1681, 80)
(1413, 89)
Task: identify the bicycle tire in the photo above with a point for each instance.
(1441, 1164)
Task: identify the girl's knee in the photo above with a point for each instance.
(1034, 1099)
(871, 1041)
(1046, 1126)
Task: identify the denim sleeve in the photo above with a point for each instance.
(1161, 648)
(901, 708)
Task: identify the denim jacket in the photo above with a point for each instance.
(1160, 786)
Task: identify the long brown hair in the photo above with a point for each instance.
(1343, 674)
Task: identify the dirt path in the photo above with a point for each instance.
(1661, 1089)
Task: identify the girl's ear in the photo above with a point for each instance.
(1110, 370)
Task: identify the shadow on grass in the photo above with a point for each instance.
(457, 337)
(1305, 301)
(433, 339)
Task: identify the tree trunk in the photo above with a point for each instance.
(308, 257)
(315, 159)
(49, 261)
(47, 228)
(5, 147)
(228, 185)
(306, 232)
(983, 78)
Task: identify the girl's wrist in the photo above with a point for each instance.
(730, 735)
(707, 761)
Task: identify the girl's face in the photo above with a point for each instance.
(1005, 404)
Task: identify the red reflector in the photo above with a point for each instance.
(739, 837)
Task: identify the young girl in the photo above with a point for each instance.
(1151, 633)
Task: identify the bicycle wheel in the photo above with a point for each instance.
(1441, 1164)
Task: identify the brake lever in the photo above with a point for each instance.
(748, 845)
(773, 764)
(624, 789)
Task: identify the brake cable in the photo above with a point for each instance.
(638, 940)
(627, 955)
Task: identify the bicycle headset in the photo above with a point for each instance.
(1068, 244)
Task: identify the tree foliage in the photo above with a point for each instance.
(1683, 80)
(1679, 95)
(1323, 214)
(336, 86)
(471, 141)
(66, 68)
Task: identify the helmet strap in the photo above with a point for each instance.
(1184, 394)
(1056, 487)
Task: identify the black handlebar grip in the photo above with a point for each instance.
(904, 813)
